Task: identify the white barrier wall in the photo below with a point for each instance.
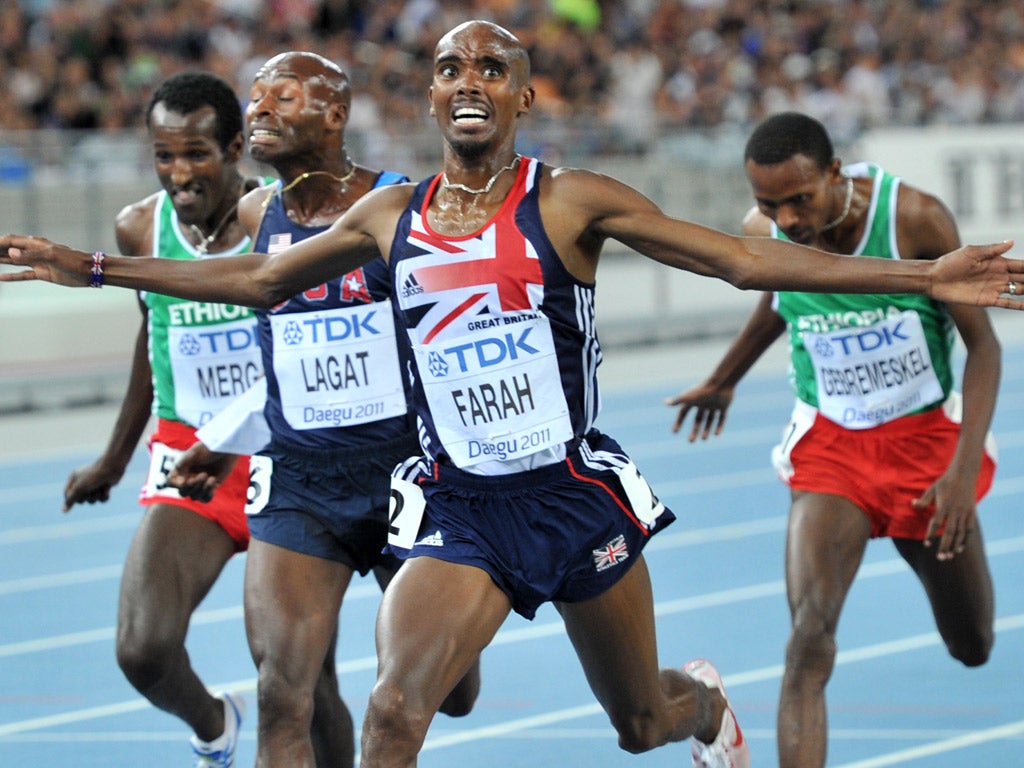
(80, 341)
(977, 171)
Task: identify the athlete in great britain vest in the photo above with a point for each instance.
(503, 336)
(866, 359)
(202, 355)
(333, 378)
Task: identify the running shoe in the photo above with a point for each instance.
(729, 749)
(220, 753)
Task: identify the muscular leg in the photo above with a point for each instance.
(174, 559)
(960, 593)
(824, 547)
(291, 613)
(463, 696)
(434, 621)
(614, 638)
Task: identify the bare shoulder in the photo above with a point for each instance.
(133, 226)
(379, 208)
(925, 227)
(587, 196)
(567, 181)
(756, 224)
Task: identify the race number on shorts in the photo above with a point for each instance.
(162, 461)
(646, 505)
(405, 513)
(258, 492)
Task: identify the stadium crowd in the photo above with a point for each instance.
(638, 68)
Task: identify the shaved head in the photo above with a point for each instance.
(311, 68)
(510, 45)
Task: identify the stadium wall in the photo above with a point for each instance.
(62, 347)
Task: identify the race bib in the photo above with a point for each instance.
(496, 393)
(161, 462)
(260, 470)
(212, 365)
(405, 513)
(645, 504)
(870, 376)
(338, 367)
(799, 424)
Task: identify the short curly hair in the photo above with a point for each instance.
(781, 136)
(185, 92)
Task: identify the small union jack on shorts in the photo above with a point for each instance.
(564, 532)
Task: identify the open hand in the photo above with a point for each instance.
(44, 260)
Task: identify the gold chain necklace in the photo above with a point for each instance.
(205, 241)
(445, 184)
(342, 181)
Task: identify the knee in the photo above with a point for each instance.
(146, 657)
(393, 723)
(973, 651)
(281, 700)
(638, 732)
(811, 649)
(457, 705)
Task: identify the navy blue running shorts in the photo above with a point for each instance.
(331, 503)
(565, 532)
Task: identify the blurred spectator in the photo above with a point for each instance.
(635, 76)
(641, 69)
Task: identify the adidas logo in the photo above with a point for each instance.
(410, 287)
(434, 539)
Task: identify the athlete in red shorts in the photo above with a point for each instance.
(878, 444)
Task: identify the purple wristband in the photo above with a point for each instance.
(96, 273)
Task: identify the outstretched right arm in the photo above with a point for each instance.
(251, 279)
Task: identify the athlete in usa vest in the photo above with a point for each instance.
(202, 355)
(333, 379)
(866, 359)
(503, 336)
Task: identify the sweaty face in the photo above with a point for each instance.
(480, 87)
(796, 194)
(289, 105)
(189, 161)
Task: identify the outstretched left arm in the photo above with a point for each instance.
(599, 207)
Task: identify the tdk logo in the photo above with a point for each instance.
(217, 342)
(292, 333)
(823, 348)
(324, 330)
(870, 339)
(438, 366)
(486, 353)
(189, 345)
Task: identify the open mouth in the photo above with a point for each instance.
(263, 135)
(469, 116)
(184, 196)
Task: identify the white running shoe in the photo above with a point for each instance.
(220, 753)
(729, 749)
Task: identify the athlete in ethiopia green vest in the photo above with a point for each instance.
(866, 359)
(202, 354)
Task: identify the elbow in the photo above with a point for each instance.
(743, 270)
(743, 278)
(269, 298)
(267, 294)
(743, 281)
